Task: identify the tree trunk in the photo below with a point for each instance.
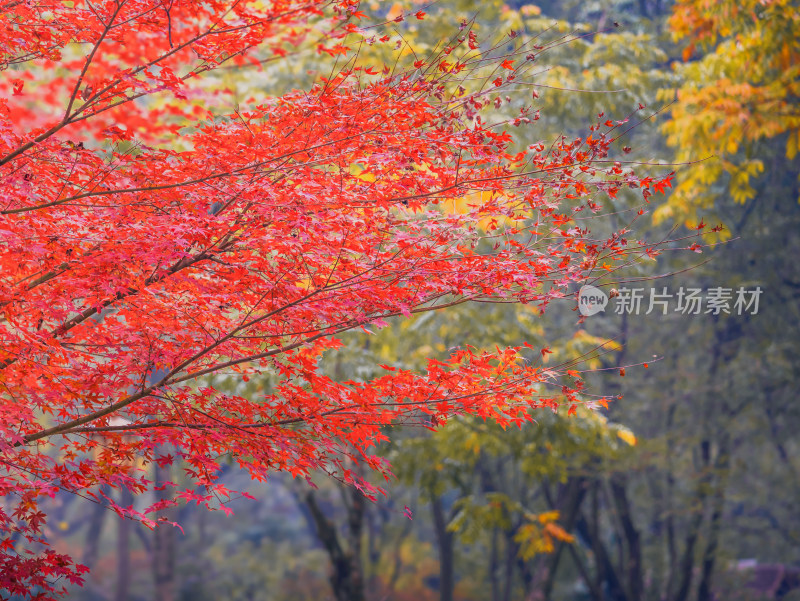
(91, 549)
(444, 540)
(685, 569)
(511, 553)
(164, 542)
(123, 549)
(568, 503)
(633, 566)
(721, 465)
(346, 580)
(493, 565)
(616, 592)
(356, 512)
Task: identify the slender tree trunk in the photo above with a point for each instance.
(687, 560)
(721, 465)
(525, 573)
(686, 565)
(633, 566)
(594, 588)
(444, 540)
(397, 560)
(164, 542)
(123, 550)
(345, 579)
(356, 512)
(596, 543)
(493, 565)
(669, 499)
(91, 549)
(708, 470)
(511, 554)
(568, 503)
(590, 532)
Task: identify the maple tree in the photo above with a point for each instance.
(144, 249)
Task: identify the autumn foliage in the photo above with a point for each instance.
(146, 244)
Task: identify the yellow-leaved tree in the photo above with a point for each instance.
(741, 84)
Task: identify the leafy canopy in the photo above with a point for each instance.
(736, 97)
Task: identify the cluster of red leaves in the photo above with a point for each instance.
(127, 273)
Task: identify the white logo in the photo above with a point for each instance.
(591, 300)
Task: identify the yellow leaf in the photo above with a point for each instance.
(791, 145)
(548, 516)
(627, 436)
